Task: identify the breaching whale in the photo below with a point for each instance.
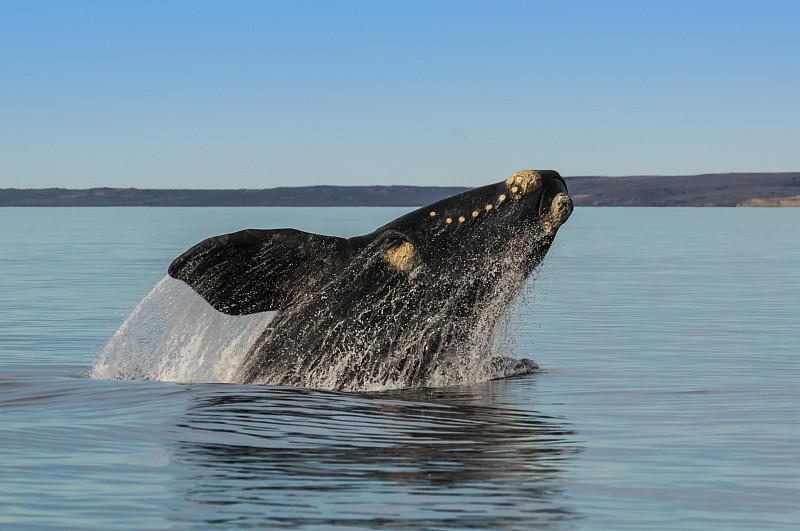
(411, 304)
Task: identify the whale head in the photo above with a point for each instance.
(519, 216)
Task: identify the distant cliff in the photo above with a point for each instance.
(288, 196)
(717, 189)
(729, 189)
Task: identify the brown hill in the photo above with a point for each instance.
(287, 196)
(728, 189)
(719, 189)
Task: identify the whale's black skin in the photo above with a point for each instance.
(402, 306)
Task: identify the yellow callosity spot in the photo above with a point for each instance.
(475, 213)
(488, 208)
(514, 190)
(461, 219)
(518, 179)
(510, 180)
(502, 198)
(433, 213)
(448, 220)
(401, 257)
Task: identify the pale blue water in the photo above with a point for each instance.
(669, 397)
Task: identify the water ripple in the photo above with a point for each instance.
(402, 459)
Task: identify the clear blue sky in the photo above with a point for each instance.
(256, 94)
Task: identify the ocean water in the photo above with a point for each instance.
(668, 396)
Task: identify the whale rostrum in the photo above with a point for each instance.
(419, 301)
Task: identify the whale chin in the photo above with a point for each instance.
(551, 190)
(555, 207)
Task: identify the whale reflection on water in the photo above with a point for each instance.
(293, 457)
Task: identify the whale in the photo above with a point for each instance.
(420, 301)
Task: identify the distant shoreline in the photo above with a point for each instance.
(721, 189)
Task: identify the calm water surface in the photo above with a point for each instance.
(668, 400)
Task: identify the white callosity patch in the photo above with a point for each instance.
(560, 210)
(401, 257)
(523, 182)
(175, 335)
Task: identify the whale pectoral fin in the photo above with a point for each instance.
(258, 270)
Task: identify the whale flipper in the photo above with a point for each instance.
(258, 270)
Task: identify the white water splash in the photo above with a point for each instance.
(175, 335)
